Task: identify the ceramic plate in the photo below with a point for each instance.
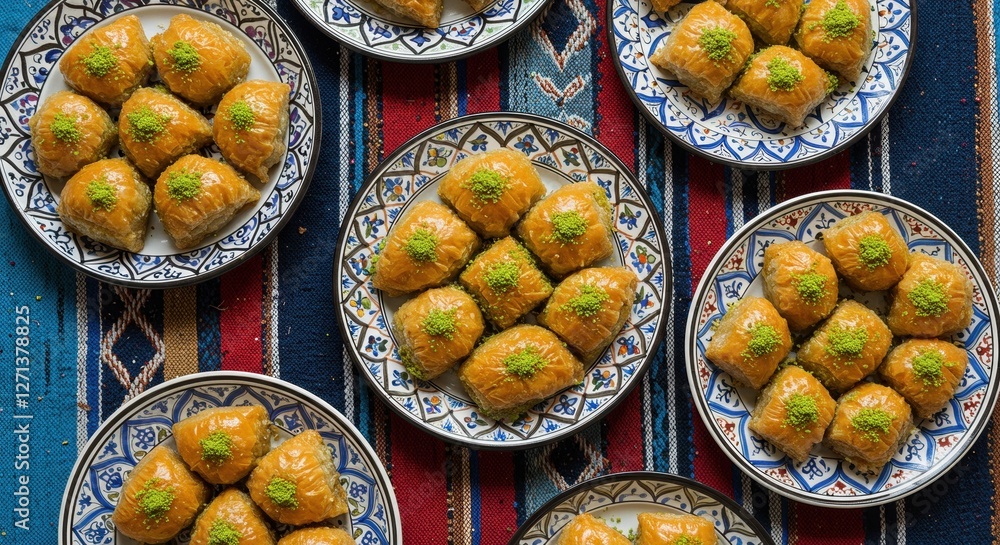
(31, 74)
(825, 479)
(369, 29)
(561, 155)
(729, 132)
(144, 422)
(618, 498)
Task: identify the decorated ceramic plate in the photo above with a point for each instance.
(145, 422)
(365, 27)
(618, 498)
(561, 155)
(31, 74)
(825, 478)
(729, 132)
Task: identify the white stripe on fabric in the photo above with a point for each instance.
(886, 181)
(273, 294)
(871, 174)
(647, 413)
(763, 192)
(774, 510)
(736, 198)
(344, 190)
(881, 520)
(747, 491)
(82, 415)
(991, 98)
(673, 465)
(900, 522)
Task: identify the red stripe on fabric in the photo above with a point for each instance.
(407, 102)
(711, 466)
(624, 434)
(706, 214)
(498, 516)
(482, 82)
(818, 526)
(419, 471)
(832, 173)
(239, 321)
(616, 114)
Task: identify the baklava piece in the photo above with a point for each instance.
(867, 251)
(784, 83)
(251, 126)
(674, 529)
(69, 131)
(223, 444)
(800, 282)
(231, 518)
(506, 282)
(926, 372)
(792, 412)
(871, 423)
(749, 342)
(584, 529)
(933, 299)
(848, 347)
(436, 330)
(837, 34)
(109, 202)
(771, 21)
(318, 536)
(156, 129)
(110, 62)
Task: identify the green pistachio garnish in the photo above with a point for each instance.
(439, 323)
(241, 116)
(568, 226)
(217, 447)
(422, 246)
(929, 298)
(183, 185)
(64, 128)
(874, 251)
(525, 363)
(764, 339)
(281, 492)
(487, 185)
(503, 276)
(185, 56)
(588, 303)
(839, 21)
(782, 75)
(846, 343)
(810, 285)
(872, 423)
(801, 411)
(929, 366)
(145, 124)
(100, 61)
(154, 502)
(717, 43)
(223, 532)
(102, 194)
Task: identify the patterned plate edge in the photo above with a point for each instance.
(112, 423)
(269, 237)
(690, 148)
(667, 478)
(839, 502)
(480, 444)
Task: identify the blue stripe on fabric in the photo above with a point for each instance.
(461, 87)
(475, 495)
(859, 164)
(209, 327)
(682, 302)
(94, 371)
(363, 407)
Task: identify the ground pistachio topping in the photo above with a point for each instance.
(782, 75)
(717, 43)
(503, 276)
(685, 539)
(64, 128)
(185, 56)
(846, 342)
(154, 502)
(183, 185)
(929, 298)
(524, 363)
(440, 323)
(801, 411)
(487, 185)
(145, 124)
(241, 115)
(588, 303)
(568, 226)
(928, 367)
(100, 61)
(281, 492)
(422, 246)
(217, 447)
(810, 285)
(764, 339)
(102, 194)
(839, 21)
(832, 82)
(874, 251)
(223, 532)
(872, 423)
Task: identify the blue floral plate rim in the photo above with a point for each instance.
(279, 200)
(254, 384)
(883, 491)
(541, 425)
(730, 511)
(777, 164)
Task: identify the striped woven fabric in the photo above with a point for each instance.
(937, 148)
